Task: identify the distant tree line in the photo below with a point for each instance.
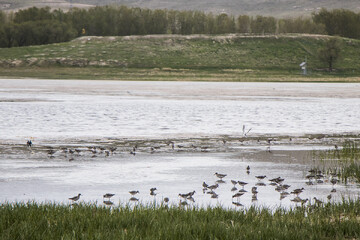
(34, 26)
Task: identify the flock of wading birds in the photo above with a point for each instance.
(315, 176)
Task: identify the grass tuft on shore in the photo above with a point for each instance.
(89, 221)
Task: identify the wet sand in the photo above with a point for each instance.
(199, 90)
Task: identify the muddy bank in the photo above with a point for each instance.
(220, 144)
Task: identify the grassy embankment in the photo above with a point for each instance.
(51, 221)
(182, 58)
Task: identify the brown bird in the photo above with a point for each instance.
(133, 192)
(239, 194)
(108, 195)
(261, 177)
(74, 199)
(237, 204)
(219, 175)
(297, 191)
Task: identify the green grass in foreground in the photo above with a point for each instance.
(182, 58)
(86, 221)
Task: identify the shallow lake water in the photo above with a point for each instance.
(82, 114)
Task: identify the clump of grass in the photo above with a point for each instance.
(343, 162)
(90, 221)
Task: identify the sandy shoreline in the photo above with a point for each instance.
(198, 90)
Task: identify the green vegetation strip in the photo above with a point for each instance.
(183, 58)
(344, 161)
(87, 221)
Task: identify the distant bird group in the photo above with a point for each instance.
(107, 197)
(278, 183)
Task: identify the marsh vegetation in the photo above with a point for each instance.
(88, 221)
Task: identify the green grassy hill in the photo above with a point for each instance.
(169, 57)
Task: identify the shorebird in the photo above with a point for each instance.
(205, 185)
(329, 197)
(334, 181)
(213, 187)
(310, 176)
(254, 190)
(237, 204)
(234, 189)
(108, 195)
(297, 200)
(74, 199)
(237, 195)
(303, 201)
(133, 192)
(281, 188)
(166, 199)
(317, 201)
(219, 175)
(277, 180)
(248, 168)
(183, 195)
(284, 194)
(190, 194)
(261, 177)
(285, 186)
(242, 183)
(234, 182)
(152, 191)
(298, 191)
